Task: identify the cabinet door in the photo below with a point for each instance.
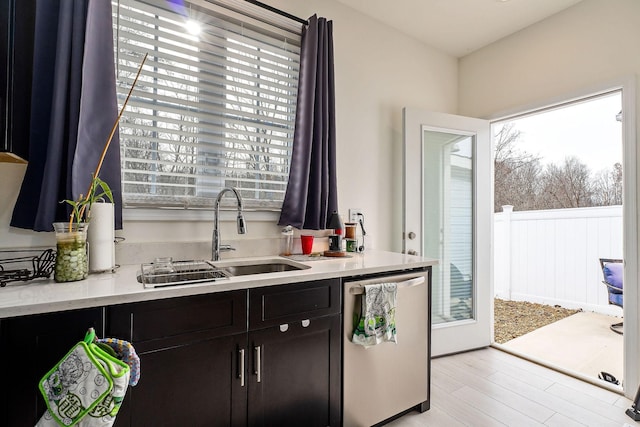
(31, 346)
(192, 385)
(190, 362)
(294, 374)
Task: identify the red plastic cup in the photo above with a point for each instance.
(307, 244)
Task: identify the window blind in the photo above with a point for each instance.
(209, 111)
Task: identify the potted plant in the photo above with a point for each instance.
(71, 237)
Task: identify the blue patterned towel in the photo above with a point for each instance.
(376, 321)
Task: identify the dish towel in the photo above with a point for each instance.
(125, 352)
(376, 321)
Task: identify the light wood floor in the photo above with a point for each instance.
(491, 388)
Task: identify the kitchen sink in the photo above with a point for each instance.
(155, 275)
(271, 265)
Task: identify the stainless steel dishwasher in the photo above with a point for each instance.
(388, 379)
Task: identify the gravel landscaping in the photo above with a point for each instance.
(516, 318)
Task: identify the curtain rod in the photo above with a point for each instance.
(278, 11)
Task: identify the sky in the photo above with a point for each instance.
(587, 130)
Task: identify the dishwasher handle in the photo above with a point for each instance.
(359, 290)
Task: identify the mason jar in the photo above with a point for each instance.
(71, 251)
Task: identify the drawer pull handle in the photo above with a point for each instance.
(257, 362)
(305, 323)
(359, 289)
(241, 366)
(284, 327)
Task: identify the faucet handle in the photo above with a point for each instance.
(242, 226)
(227, 248)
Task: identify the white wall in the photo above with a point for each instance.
(583, 46)
(378, 71)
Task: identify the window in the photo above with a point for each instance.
(210, 110)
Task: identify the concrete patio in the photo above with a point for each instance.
(581, 344)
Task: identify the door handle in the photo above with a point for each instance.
(241, 366)
(257, 363)
(412, 252)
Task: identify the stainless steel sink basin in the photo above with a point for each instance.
(242, 270)
(271, 265)
(186, 272)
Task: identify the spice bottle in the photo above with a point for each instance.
(286, 241)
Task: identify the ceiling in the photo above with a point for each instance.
(459, 27)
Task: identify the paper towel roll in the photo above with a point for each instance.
(101, 236)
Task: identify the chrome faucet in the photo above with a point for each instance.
(216, 247)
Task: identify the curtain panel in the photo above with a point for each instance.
(73, 108)
(311, 194)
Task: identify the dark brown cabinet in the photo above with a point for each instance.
(260, 357)
(190, 385)
(295, 374)
(31, 346)
(295, 365)
(190, 351)
(263, 357)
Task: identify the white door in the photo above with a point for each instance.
(448, 216)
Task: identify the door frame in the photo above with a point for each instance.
(627, 86)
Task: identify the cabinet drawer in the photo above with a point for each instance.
(287, 303)
(177, 321)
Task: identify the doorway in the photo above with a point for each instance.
(558, 185)
(415, 123)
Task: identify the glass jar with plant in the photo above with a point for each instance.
(71, 237)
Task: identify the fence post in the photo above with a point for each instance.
(507, 210)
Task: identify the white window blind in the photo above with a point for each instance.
(209, 111)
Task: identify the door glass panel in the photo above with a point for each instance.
(448, 222)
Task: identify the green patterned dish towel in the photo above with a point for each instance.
(376, 319)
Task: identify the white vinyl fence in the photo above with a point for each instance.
(551, 256)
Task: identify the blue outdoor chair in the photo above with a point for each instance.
(612, 270)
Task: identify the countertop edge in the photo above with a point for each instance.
(38, 297)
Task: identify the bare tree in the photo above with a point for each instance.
(567, 185)
(516, 172)
(607, 187)
(521, 180)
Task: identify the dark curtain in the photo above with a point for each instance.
(311, 194)
(98, 108)
(73, 107)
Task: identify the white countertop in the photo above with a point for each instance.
(46, 296)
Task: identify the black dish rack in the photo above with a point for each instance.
(21, 265)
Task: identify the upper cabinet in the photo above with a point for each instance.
(17, 23)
